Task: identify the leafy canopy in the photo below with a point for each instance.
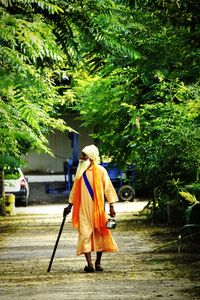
(29, 54)
(145, 109)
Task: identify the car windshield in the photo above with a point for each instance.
(12, 173)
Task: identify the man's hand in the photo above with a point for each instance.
(112, 211)
(67, 210)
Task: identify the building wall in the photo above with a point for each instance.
(60, 145)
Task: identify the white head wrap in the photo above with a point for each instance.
(92, 152)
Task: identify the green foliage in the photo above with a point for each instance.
(167, 140)
(40, 40)
(146, 110)
(193, 209)
(162, 138)
(6, 160)
(179, 13)
(11, 173)
(194, 189)
(29, 53)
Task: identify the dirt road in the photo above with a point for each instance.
(135, 272)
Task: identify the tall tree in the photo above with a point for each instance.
(40, 41)
(29, 54)
(143, 108)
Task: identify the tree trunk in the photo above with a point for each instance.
(2, 192)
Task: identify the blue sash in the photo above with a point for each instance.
(88, 185)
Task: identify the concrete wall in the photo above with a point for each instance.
(38, 194)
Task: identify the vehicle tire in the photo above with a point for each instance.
(24, 202)
(126, 193)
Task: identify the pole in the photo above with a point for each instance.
(56, 244)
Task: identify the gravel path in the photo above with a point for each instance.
(135, 272)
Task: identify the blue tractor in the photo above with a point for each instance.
(123, 181)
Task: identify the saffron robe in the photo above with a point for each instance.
(89, 238)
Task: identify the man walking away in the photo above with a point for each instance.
(91, 185)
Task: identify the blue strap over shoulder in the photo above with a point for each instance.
(88, 185)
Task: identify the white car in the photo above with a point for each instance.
(17, 184)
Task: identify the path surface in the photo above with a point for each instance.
(26, 244)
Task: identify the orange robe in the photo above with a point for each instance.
(89, 239)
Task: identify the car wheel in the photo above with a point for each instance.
(126, 193)
(24, 202)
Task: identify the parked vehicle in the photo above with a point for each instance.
(122, 181)
(17, 184)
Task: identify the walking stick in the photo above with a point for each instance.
(56, 244)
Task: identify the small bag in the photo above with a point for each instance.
(111, 224)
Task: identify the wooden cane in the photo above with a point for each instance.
(56, 244)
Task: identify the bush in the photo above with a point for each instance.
(194, 189)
